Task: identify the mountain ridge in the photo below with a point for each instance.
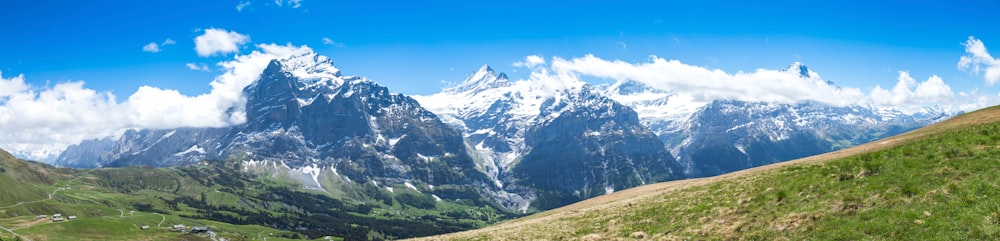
(635, 213)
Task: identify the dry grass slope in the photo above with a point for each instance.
(696, 214)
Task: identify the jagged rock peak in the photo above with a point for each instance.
(802, 70)
(482, 79)
(308, 68)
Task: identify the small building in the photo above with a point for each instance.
(177, 227)
(56, 215)
(144, 227)
(41, 216)
(199, 229)
(59, 219)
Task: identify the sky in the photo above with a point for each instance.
(65, 65)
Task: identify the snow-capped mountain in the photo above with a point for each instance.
(305, 118)
(552, 140)
(711, 138)
(533, 144)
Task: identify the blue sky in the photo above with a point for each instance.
(71, 54)
(411, 46)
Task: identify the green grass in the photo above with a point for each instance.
(218, 190)
(944, 185)
(938, 188)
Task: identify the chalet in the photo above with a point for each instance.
(177, 227)
(199, 229)
(58, 215)
(144, 227)
(59, 219)
(71, 217)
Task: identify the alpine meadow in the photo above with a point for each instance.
(490, 120)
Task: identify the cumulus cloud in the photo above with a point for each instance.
(703, 85)
(328, 41)
(198, 67)
(909, 94)
(978, 60)
(153, 47)
(291, 3)
(530, 61)
(707, 84)
(219, 41)
(39, 120)
(242, 5)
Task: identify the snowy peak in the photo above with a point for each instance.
(629, 87)
(483, 79)
(310, 65)
(308, 69)
(800, 69)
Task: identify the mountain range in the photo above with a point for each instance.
(720, 136)
(523, 145)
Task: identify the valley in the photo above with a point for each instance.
(115, 203)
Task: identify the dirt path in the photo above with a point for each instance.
(41, 200)
(50, 196)
(15, 234)
(162, 219)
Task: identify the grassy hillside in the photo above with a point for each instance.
(112, 203)
(21, 180)
(941, 182)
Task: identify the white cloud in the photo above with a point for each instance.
(291, 3)
(908, 94)
(781, 86)
(219, 41)
(530, 61)
(44, 120)
(977, 59)
(328, 41)
(194, 66)
(151, 47)
(242, 5)
(706, 85)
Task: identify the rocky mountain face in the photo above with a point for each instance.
(552, 142)
(716, 137)
(525, 145)
(304, 117)
(531, 144)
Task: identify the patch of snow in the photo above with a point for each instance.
(194, 148)
(393, 141)
(483, 131)
(424, 158)
(313, 171)
(436, 197)
(168, 135)
(411, 186)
